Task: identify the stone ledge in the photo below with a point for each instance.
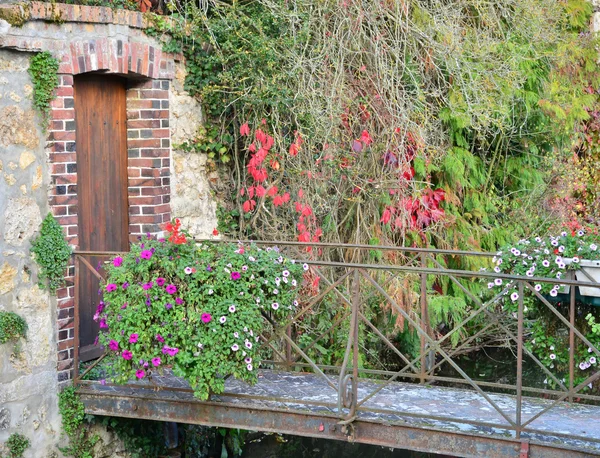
(18, 13)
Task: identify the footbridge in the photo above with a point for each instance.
(374, 391)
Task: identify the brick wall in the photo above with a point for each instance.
(149, 150)
(86, 39)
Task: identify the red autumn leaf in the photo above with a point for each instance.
(301, 227)
(365, 138)
(247, 206)
(306, 211)
(244, 129)
(409, 174)
(261, 136)
(144, 5)
(318, 232)
(277, 201)
(260, 190)
(286, 197)
(272, 191)
(387, 215)
(300, 193)
(251, 192)
(261, 155)
(252, 148)
(293, 149)
(274, 163)
(299, 207)
(242, 192)
(268, 143)
(215, 232)
(304, 237)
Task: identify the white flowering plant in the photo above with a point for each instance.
(547, 257)
(550, 257)
(198, 309)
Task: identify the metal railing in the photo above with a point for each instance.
(350, 285)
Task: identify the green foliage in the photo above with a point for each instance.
(209, 141)
(16, 444)
(202, 305)
(74, 425)
(12, 327)
(141, 438)
(52, 254)
(43, 69)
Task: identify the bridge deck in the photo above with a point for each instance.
(400, 415)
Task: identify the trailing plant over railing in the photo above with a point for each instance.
(12, 327)
(551, 257)
(52, 254)
(43, 69)
(197, 309)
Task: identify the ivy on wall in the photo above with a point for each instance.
(52, 254)
(43, 69)
(12, 327)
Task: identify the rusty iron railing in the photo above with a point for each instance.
(354, 283)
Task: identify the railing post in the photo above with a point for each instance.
(76, 324)
(571, 341)
(424, 319)
(348, 399)
(355, 307)
(288, 348)
(519, 419)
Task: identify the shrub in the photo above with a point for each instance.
(12, 326)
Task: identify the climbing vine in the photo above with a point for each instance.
(12, 327)
(52, 254)
(74, 425)
(43, 69)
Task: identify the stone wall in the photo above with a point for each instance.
(28, 383)
(191, 197)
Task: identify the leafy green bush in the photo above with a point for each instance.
(16, 444)
(52, 254)
(197, 308)
(12, 326)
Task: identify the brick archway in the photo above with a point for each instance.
(97, 39)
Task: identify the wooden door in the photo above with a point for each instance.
(101, 145)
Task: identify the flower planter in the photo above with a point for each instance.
(592, 269)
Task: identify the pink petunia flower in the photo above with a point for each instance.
(133, 338)
(156, 361)
(127, 355)
(146, 254)
(171, 289)
(206, 318)
(235, 275)
(118, 261)
(111, 287)
(160, 338)
(113, 345)
(160, 281)
(140, 373)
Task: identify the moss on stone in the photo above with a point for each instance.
(16, 15)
